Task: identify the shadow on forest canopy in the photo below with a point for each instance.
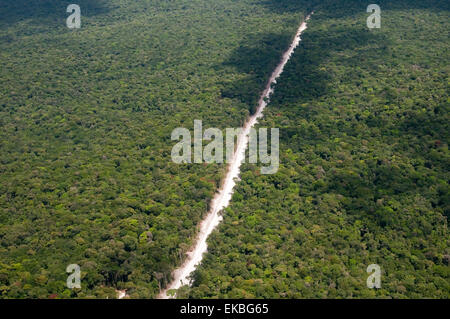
(344, 8)
(303, 78)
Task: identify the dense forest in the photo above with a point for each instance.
(86, 175)
(87, 115)
(364, 123)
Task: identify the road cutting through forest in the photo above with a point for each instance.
(222, 199)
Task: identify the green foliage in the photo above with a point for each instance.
(364, 122)
(86, 175)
